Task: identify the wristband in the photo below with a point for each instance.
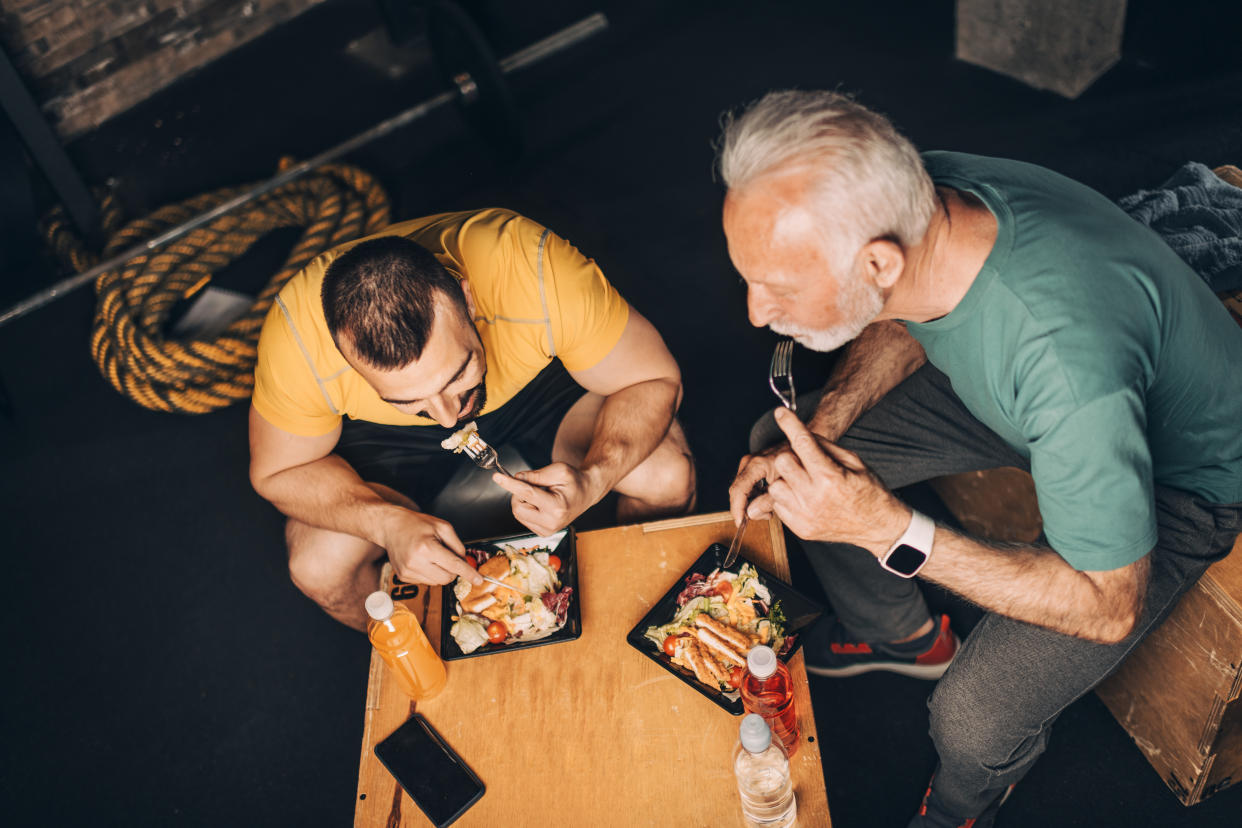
(910, 552)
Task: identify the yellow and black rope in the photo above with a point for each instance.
(335, 203)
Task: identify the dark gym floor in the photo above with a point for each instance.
(162, 669)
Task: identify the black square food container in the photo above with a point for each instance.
(800, 611)
(562, 544)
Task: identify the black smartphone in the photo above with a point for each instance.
(434, 776)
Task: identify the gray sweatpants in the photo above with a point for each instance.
(992, 711)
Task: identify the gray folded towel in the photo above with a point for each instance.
(1200, 217)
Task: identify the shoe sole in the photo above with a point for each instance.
(919, 671)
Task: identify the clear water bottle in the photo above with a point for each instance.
(762, 771)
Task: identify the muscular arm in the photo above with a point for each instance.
(305, 481)
(880, 357)
(641, 386)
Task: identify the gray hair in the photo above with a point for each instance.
(868, 180)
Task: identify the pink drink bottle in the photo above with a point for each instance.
(767, 689)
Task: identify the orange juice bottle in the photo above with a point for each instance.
(401, 642)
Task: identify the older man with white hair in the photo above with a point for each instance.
(997, 314)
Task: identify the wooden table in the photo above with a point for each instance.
(591, 732)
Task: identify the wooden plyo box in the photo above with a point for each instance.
(1178, 694)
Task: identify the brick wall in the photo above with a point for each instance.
(87, 60)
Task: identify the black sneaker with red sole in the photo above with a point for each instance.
(932, 814)
(830, 651)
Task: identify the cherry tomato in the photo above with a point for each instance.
(555, 563)
(735, 677)
(670, 645)
(497, 632)
(473, 563)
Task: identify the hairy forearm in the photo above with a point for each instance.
(1034, 584)
(824, 492)
(327, 493)
(880, 357)
(630, 424)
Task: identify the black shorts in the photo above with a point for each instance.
(410, 459)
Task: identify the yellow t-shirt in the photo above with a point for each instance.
(536, 297)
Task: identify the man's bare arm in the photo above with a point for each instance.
(301, 477)
(305, 481)
(873, 364)
(824, 492)
(641, 384)
(1029, 583)
(1035, 584)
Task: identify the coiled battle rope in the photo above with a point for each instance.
(336, 203)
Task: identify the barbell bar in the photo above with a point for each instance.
(464, 88)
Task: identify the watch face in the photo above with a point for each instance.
(905, 559)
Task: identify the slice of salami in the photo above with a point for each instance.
(696, 585)
(480, 555)
(558, 603)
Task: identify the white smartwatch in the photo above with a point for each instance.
(911, 551)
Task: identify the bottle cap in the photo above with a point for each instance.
(379, 605)
(761, 661)
(754, 733)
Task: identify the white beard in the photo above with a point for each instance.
(860, 303)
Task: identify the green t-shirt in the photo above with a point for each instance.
(1093, 350)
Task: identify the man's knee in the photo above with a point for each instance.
(323, 564)
(676, 480)
(766, 433)
(666, 480)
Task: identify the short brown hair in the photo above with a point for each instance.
(381, 293)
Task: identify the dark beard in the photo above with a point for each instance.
(479, 404)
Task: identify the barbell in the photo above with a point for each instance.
(476, 82)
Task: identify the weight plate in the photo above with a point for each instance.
(467, 65)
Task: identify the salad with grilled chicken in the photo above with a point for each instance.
(719, 617)
(531, 605)
(466, 437)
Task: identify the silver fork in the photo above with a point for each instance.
(780, 375)
(491, 580)
(483, 455)
(780, 380)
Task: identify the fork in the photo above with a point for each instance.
(780, 380)
(780, 375)
(483, 454)
(492, 580)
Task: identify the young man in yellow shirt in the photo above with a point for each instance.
(381, 348)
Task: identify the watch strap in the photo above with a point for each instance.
(920, 534)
